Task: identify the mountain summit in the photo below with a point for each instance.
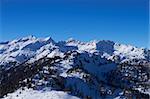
(42, 68)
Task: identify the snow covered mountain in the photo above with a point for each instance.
(41, 68)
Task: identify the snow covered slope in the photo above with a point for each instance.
(95, 69)
(34, 94)
(28, 47)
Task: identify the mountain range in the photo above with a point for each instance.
(41, 68)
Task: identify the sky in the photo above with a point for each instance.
(122, 21)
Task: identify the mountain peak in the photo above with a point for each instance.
(94, 69)
(49, 39)
(30, 37)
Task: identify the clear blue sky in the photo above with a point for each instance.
(123, 21)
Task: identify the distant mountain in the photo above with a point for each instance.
(41, 68)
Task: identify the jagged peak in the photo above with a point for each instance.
(71, 66)
(31, 43)
(49, 39)
(30, 37)
(24, 39)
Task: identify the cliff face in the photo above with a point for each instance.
(96, 69)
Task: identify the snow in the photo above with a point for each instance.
(96, 58)
(55, 53)
(128, 51)
(27, 47)
(34, 94)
